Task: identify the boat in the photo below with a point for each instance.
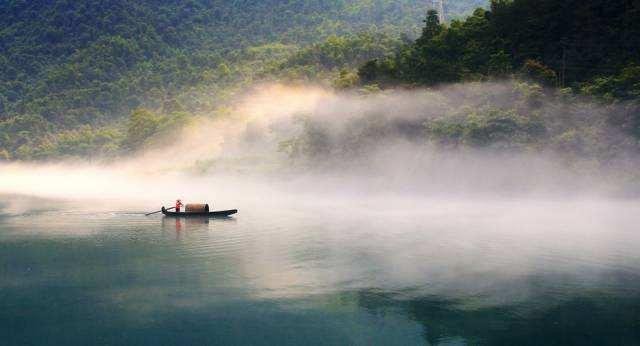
(217, 213)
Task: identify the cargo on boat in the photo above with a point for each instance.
(196, 208)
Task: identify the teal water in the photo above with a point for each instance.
(447, 273)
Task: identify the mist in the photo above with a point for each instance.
(311, 144)
(348, 201)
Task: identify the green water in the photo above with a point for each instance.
(449, 273)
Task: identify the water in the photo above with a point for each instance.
(473, 272)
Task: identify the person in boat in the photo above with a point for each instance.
(178, 205)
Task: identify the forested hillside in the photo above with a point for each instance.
(565, 42)
(574, 52)
(543, 77)
(91, 78)
(66, 65)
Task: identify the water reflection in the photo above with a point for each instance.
(180, 225)
(442, 276)
(588, 317)
(183, 224)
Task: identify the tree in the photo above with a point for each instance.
(499, 64)
(539, 72)
(4, 155)
(345, 80)
(368, 72)
(142, 125)
(431, 29)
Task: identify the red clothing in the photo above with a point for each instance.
(178, 205)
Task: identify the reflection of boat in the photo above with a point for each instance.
(219, 213)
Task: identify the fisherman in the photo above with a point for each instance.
(178, 205)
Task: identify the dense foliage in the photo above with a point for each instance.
(74, 65)
(558, 78)
(586, 47)
(82, 78)
(75, 61)
(562, 43)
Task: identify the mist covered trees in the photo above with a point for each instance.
(91, 63)
(580, 47)
(496, 119)
(82, 78)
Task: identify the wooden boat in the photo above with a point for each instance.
(218, 213)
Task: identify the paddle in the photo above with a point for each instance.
(155, 212)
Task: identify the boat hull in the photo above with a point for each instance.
(218, 213)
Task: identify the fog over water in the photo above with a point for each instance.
(241, 153)
(385, 237)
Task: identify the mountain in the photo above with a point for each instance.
(66, 63)
(76, 61)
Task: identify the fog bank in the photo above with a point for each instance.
(306, 140)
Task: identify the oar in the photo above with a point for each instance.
(155, 212)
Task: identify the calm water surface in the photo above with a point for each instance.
(436, 272)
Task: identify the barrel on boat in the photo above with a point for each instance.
(196, 208)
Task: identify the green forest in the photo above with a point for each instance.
(101, 78)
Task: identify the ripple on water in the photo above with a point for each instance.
(455, 272)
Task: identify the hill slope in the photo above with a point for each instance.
(65, 64)
(89, 56)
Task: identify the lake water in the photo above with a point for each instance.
(470, 272)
